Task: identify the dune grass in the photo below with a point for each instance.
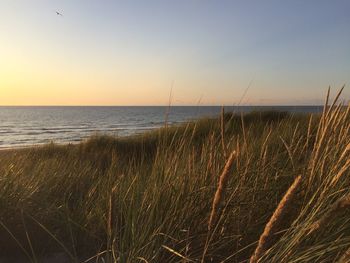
(154, 197)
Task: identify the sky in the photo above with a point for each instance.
(193, 52)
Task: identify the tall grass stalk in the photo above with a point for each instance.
(273, 225)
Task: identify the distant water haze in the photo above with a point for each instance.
(31, 125)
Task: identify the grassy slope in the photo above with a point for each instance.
(148, 198)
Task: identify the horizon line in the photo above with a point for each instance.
(205, 105)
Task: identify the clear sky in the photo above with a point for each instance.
(104, 52)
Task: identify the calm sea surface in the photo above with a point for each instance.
(21, 126)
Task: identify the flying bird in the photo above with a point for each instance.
(58, 13)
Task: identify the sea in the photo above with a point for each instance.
(22, 126)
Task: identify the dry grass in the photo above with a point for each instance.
(148, 198)
(220, 191)
(338, 207)
(273, 226)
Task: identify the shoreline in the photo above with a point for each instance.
(40, 133)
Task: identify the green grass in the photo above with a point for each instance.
(147, 198)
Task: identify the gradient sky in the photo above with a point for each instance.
(130, 52)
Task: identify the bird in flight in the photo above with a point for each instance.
(58, 13)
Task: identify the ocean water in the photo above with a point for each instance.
(31, 125)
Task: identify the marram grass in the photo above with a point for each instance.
(149, 198)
